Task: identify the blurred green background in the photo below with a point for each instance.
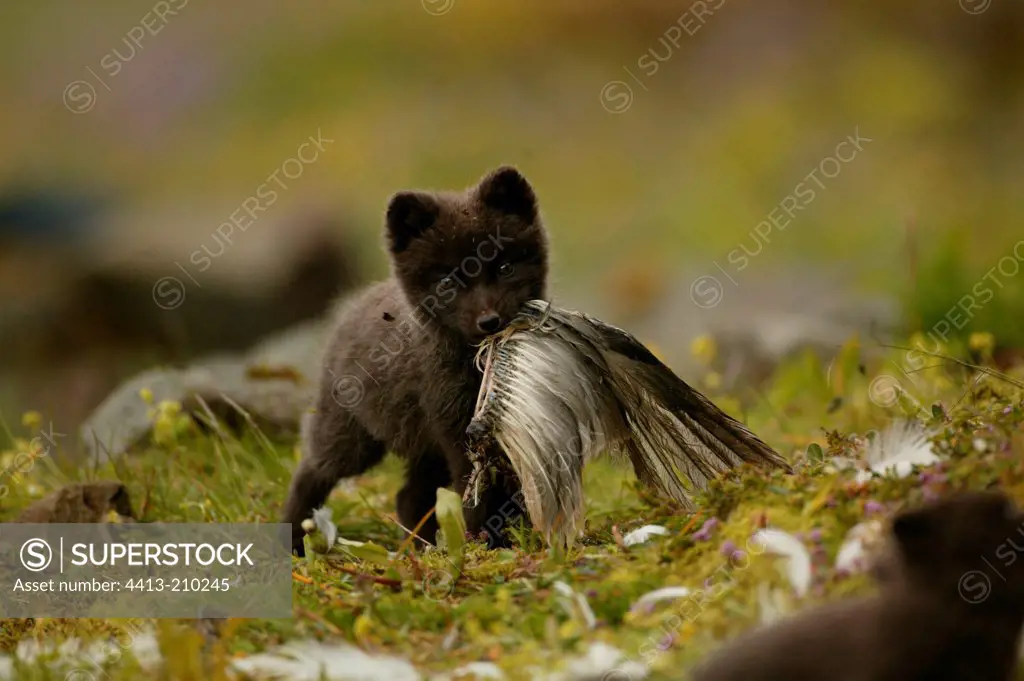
(655, 153)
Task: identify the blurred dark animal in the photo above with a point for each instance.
(941, 614)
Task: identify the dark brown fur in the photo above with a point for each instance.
(929, 621)
(399, 371)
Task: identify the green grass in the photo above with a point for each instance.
(502, 606)
(955, 296)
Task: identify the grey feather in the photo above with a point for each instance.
(561, 387)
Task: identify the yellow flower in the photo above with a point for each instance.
(982, 342)
(363, 627)
(168, 422)
(169, 407)
(704, 349)
(713, 380)
(32, 420)
(147, 395)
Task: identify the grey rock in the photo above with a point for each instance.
(272, 383)
(758, 318)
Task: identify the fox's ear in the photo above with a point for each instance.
(507, 191)
(918, 533)
(409, 215)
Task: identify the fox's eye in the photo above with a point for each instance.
(506, 269)
(445, 283)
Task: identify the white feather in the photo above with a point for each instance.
(798, 559)
(601, 661)
(773, 602)
(477, 671)
(75, 653)
(852, 556)
(575, 604)
(668, 593)
(323, 522)
(309, 660)
(145, 648)
(643, 534)
(897, 450)
(855, 552)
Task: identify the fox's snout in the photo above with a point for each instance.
(488, 322)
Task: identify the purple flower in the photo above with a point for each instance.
(871, 507)
(815, 535)
(929, 494)
(728, 548)
(666, 642)
(704, 533)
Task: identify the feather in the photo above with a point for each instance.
(774, 604)
(74, 653)
(859, 546)
(575, 604)
(314, 661)
(600, 662)
(324, 523)
(475, 671)
(560, 387)
(667, 593)
(643, 534)
(798, 560)
(897, 450)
